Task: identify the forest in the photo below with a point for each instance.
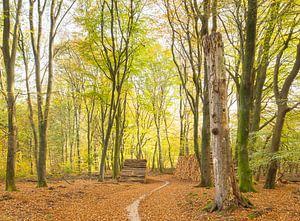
(150, 110)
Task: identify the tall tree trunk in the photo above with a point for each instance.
(168, 140)
(160, 160)
(246, 100)
(282, 108)
(29, 102)
(181, 115)
(186, 132)
(9, 56)
(262, 73)
(107, 134)
(206, 175)
(275, 144)
(89, 143)
(196, 134)
(205, 138)
(153, 158)
(116, 165)
(77, 122)
(226, 191)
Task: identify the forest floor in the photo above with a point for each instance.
(83, 199)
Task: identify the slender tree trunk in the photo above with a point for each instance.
(66, 145)
(42, 156)
(9, 56)
(89, 143)
(168, 140)
(153, 158)
(206, 177)
(30, 156)
(282, 108)
(138, 134)
(104, 149)
(29, 103)
(107, 135)
(262, 73)
(272, 171)
(77, 121)
(116, 165)
(196, 136)
(186, 132)
(181, 115)
(160, 160)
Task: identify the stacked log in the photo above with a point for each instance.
(134, 171)
(187, 168)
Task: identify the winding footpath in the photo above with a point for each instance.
(133, 209)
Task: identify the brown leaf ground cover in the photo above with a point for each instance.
(81, 200)
(182, 201)
(89, 200)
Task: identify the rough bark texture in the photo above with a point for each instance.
(227, 194)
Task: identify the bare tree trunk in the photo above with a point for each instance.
(29, 102)
(186, 132)
(89, 147)
(9, 56)
(168, 140)
(116, 165)
(226, 191)
(246, 100)
(181, 115)
(282, 109)
(153, 158)
(160, 160)
(77, 122)
(206, 176)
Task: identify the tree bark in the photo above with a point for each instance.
(181, 116)
(246, 100)
(9, 56)
(262, 73)
(282, 108)
(227, 194)
(206, 176)
(117, 146)
(168, 140)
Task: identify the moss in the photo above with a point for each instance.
(208, 207)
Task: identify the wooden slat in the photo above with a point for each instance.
(134, 171)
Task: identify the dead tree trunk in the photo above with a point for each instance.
(227, 193)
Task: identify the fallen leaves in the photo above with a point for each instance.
(181, 201)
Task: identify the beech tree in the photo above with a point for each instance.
(43, 104)
(9, 50)
(188, 26)
(281, 96)
(245, 99)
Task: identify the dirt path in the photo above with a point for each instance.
(82, 200)
(132, 209)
